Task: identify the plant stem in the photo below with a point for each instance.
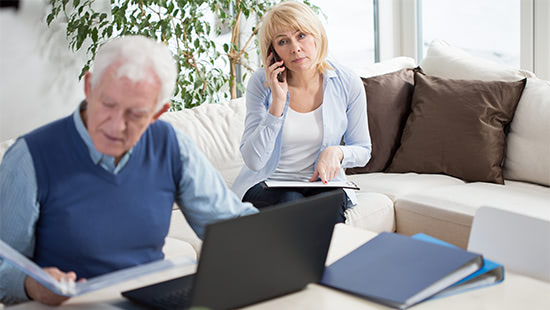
(234, 57)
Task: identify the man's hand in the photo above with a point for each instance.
(328, 165)
(38, 292)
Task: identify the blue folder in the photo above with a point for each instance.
(491, 273)
(400, 271)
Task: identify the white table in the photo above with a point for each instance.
(515, 292)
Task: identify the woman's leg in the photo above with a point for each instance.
(344, 204)
(261, 196)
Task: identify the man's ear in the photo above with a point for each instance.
(87, 84)
(164, 108)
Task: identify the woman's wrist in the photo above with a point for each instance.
(276, 109)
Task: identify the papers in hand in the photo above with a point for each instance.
(347, 184)
(71, 288)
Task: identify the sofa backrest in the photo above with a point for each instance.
(216, 129)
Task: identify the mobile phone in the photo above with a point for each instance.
(276, 58)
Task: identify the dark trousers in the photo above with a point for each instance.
(261, 196)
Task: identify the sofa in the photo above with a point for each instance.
(404, 192)
(440, 204)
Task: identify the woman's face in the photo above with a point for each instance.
(297, 49)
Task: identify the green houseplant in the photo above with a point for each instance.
(183, 25)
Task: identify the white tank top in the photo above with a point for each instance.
(301, 140)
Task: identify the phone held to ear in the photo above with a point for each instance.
(276, 58)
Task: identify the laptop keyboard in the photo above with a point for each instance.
(174, 299)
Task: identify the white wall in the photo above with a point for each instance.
(38, 74)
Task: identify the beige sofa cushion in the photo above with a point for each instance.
(395, 185)
(181, 230)
(447, 212)
(174, 247)
(528, 152)
(373, 212)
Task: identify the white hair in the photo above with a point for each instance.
(137, 55)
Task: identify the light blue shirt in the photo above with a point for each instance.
(202, 196)
(344, 113)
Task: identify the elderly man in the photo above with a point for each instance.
(92, 192)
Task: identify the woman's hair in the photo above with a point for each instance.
(296, 16)
(137, 56)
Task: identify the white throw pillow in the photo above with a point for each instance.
(451, 62)
(528, 151)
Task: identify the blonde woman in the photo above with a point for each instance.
(299, 107)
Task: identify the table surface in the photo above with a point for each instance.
(515, 292)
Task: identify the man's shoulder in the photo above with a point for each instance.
(165, 131)
(16, 158)
(163, 136)
(48, 130)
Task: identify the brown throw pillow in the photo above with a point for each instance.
(388, 105)
(458, 127)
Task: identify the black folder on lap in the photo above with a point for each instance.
(253, 258)
(400, 271)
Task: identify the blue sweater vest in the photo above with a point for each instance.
(92, 221)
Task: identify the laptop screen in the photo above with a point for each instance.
(264, 255)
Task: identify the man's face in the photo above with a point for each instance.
(119, 111)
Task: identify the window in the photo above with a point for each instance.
(486, 28)
(350, 29)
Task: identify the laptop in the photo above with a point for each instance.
(253, 258)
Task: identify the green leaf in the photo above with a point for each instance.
(94, 35)
(50, 18)
(180, 23)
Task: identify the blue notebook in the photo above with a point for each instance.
(400, 271)
(491, 272)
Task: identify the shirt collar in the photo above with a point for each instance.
(330, 73)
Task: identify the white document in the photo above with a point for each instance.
(71, 288)
(347, 184)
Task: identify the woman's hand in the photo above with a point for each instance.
(278, 89)
(38, 292)
(328, 165)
